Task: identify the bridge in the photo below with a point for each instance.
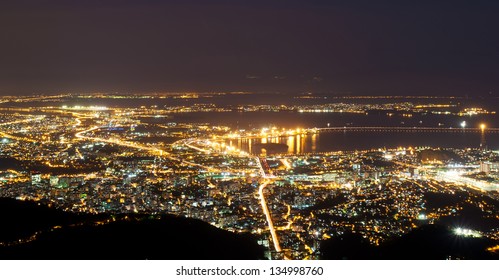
(407, 129)
(306, 131)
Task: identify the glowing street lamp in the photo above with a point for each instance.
(482, 137)
(463, 124)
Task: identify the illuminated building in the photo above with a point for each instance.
(485, 167)
(36, 178)
(54, 181)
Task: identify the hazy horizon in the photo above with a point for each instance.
(345, 47)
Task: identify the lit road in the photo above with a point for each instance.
(275, 240)
(6, 135)
(260, 167)
(190, 144)
(461, 178)
(3, 134)
(138, 146)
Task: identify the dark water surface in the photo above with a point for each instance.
(350, 140)
(248, 120)
(353, 140)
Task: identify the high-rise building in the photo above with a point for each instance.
(54, 181)
(36, 177)
(485, 167)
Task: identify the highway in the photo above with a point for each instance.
(154, 150)
(23, 121)
(6, 135)
(266, 211)
(188, 143)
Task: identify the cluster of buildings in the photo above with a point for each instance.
(96, 160)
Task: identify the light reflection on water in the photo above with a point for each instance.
(350, 140)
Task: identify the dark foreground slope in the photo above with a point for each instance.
(429, 242)
(136, 237)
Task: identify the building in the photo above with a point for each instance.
(54, 181)
(36, 177)
(485, 167)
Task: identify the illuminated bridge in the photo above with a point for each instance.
(407, 129)
(364, 129)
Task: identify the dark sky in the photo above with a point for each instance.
(356, 47)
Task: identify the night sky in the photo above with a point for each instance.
(335, 47)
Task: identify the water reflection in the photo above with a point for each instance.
(291, 144)
(295, 144)
(335, 141)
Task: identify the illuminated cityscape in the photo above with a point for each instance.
(242, 130)
(271, 181)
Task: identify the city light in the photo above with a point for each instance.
(298, 130)
(269, 180)
(467, 232)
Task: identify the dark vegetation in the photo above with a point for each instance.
(72, 236)
(428, 242)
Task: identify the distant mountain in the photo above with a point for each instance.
(135, 237)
